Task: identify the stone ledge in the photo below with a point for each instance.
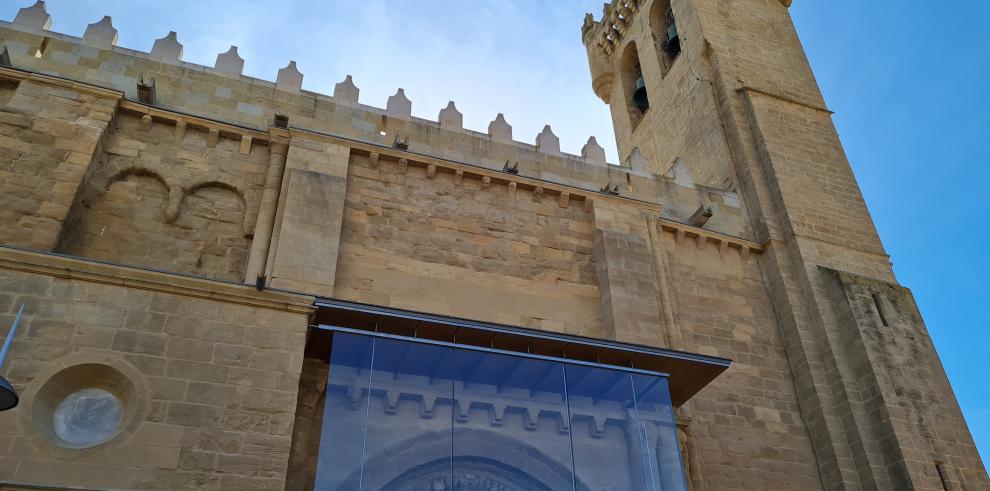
(84, 88)
(725, 242)
(463, 168)
(172, 116)
(11, 485)
(112, 274)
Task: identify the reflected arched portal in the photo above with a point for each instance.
(468, 474)
(424, 463)
(409, 416)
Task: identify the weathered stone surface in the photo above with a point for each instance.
(788, 279)
(499, 129)
(547, 142)
(346, 92)
(399, 105)
(101, 34)
(289, 78)
(229, 63)
(450, 117)
(35, 16)
(593, 152)
(167, 48)
(196, 398)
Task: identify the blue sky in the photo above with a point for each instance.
(910, 85)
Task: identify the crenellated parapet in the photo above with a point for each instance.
(222, 93)
(606, 34)
(103, 35)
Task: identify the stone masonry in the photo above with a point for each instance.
(174, 241)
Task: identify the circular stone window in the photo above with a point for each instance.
(83, 406)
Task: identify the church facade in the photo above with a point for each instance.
(234, 283)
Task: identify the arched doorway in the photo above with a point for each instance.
(419, 464)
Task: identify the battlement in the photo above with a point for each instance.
(224, 94)
(168, 50)
(606, 34)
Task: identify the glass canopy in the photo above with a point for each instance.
(412, 415)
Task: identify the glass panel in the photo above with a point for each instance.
(407, 416)
(87, 417)
(656, 417)
(408, 444)
(609, 451)
(511, 427)
(345, 413)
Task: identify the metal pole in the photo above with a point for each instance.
(10, 336)
(8, 396)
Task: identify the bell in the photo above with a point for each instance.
(640, 98)
(673, 44)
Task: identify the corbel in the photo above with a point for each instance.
(245, 145)
(496, 414)
(213, 137)
(180, 130)
(175, 195)
(391, 402)
(426, 406)
(538, 194)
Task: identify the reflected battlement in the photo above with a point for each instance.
(401, 415)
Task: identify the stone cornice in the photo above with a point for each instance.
(111, 274)
(83, 88)
(563, 191)
(702, 236)
(172, 116)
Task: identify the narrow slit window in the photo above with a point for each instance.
(943, 477)
(878, 303)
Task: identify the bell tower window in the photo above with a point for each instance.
(634, 85)
(665, 32)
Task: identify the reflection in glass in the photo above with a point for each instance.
(656, 418)
(87, 417)
(409, 416)
(345, 412)
(609, 448)
(511, 415)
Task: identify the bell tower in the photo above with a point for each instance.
(723, 88)
(655, 85)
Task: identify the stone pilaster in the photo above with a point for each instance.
(308, 221)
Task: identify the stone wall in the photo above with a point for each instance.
(167, 199)
(426, 240)
(197, 183)
(747, 427)
(49, 135)
(215, 379)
